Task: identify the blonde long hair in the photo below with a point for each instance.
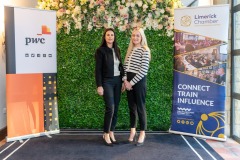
(143, 43)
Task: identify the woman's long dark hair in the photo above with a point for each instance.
(115, 47)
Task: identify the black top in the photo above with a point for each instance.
(105, 64)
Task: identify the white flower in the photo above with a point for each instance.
(91, 5)
(61, 5)
(118, 3)
(160, 26)
(105, 25)
(59, 13)
(132, 4)
(54, 4)
(117, 19)
(155, 24)
(157, 13)
(66, 24)
(169, 33)
(171, 12)
(122, 10)
(127, 4)
(154, 6)
(135, 18)
(123, 1)
(90, 27)
(162, 11)
(134, 25)
(149, 1)
(150, 15)
(77, 10)
(167, 9)
(170, 27)
(139, 3)
(102, 8)
(68, 11)
(42, 5)
(107, 2)
(122, 28)
(145, 7)
(78, 25)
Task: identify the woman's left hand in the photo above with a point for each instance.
(128, 85)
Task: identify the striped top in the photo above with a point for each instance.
(137, 62)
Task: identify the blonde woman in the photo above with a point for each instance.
(136, 66)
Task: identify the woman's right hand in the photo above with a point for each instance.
(123, 88)
(100, 91)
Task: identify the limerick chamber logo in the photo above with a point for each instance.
(45, 30)
(186, 21)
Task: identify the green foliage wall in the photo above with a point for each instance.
(78, 103)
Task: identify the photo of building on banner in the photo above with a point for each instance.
(200, 61)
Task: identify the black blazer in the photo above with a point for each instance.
(105, 64)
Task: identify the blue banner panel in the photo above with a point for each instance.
(198, 106)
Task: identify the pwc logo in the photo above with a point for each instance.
(45, 31)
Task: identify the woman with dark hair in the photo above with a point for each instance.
(108, 74)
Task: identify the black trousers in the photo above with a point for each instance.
(112, 93)
(136, 102)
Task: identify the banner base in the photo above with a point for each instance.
(199, 136)
(32, 135)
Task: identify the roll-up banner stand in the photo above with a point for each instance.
(200, 61)
(31, 63)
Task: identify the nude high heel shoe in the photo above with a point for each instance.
(138, 144)
(134, 138)
(106, 143)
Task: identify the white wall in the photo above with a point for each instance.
(22, 3)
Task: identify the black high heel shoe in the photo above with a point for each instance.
(114, 142)
(138, 144)
(134, 138)
(106, 143)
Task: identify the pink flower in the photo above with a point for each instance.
(125, 16)
(94, 19)
(99, 2)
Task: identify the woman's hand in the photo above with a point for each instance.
(128, 85)
(123, 87)
(100, 91)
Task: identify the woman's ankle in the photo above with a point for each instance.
(106, 137)
(132, 134)
(111, 134)
(142, 136)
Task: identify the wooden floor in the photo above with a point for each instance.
(229, 150)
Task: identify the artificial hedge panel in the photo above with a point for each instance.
(78, 103)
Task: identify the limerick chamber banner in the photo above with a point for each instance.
(200, 61)
(31, 69)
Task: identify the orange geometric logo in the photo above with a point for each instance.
(45, 30)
